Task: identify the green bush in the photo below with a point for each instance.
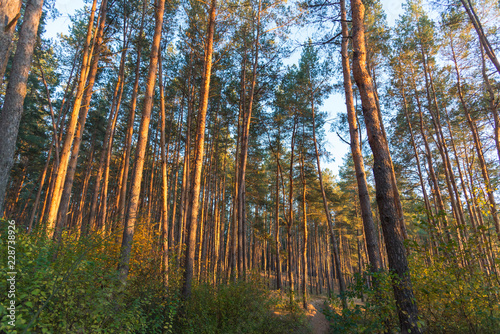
(74, 288)
(456, 298)
(367, 311)
(453, 294)
(237, 308)
(79, 292)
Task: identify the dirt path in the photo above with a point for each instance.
(315, 314)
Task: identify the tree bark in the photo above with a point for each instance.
(192, 212)
(88, 174)
(357, 157)
(383, 170)
(82, 118)
(244, 146)
(135, 186)
(290, 215)
(71, 128)
(277, 223)
(305, 234)
(164, 190)
(39, 192)
(10, 11)
(467, 4)
(335, 247)
(12, 109)
(130, 126)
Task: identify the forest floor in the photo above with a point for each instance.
(317, 319)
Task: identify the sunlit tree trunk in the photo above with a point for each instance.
(244, 148)
(290, 215)
(12, 109)
(71, 127)
(174, 179)
(305, 234)
(478, 146)
(383, 171)
(192, 212)
(277, 221)
(164, 187)
(467, 4)
(186, 169)
(39, 192)
(135, 186)
(10, 12)
(82, 118)
(115, 108)
(130, 125)
(357, 157)
(335, 247)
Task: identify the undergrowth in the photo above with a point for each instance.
(74, 288)
(454, 295)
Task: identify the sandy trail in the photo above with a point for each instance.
(315, 314)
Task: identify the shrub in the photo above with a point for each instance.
(453, 294)
(454, 298)
(376, 314)
(237, 308)
(79, 292)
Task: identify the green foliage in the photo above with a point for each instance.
(74, 288)
(368, 311)
(455, 298)
(451, 297)
(78, 292)
(238, 308)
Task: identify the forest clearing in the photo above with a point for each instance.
(250, 166)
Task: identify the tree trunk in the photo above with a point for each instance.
(135, 186)
(164, 189)
(340, 277)
(304, 227)
(88, 174)
(244, 146)
(491, 102)
(437, 192)
(277, 224)
(115, 108)
(39, 192)
(480, 33)
(130, 126)
(51, 109)
(192, 212)
(10, 11)
(103, 158)
(238, 209)
(478, 146)
(383, 171)
(185, 169)
(12, 109)
(427, 203)
(82, 118)
(71, 128)
(357, 156)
